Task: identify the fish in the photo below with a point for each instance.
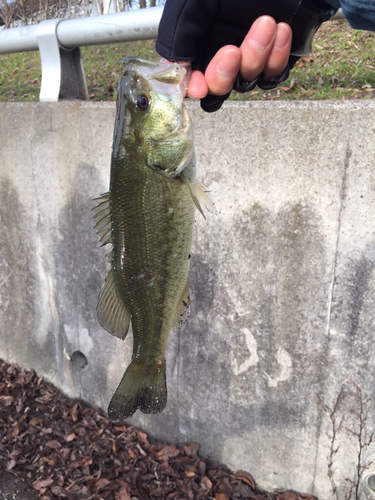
(148, 217)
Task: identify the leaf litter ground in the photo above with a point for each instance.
(53, 447)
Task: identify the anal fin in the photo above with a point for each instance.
(112, 313)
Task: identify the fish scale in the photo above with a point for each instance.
(157, 243)
(148, 218)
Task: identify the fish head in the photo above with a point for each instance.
(152, 121)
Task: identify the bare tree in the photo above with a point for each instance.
(34, 11)
(7, 12)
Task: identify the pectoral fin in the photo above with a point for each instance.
(111, 311)
(200, 196)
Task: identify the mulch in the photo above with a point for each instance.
(52, 446)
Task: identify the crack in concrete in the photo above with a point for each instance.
(343, 190)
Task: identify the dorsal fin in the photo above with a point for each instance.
(103, 218)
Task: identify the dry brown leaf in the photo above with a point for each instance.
(36, 421)
(246, 478)
(191, 449)
(101, 484)
(168, 451)
(54, 445)
(41, 485)
(11, 464)
(190, 473)
(120, 428)
(47, 398)
(287, 495)
(142, 436)
(6, 400)
(66, 449)
(221, 496)
(206, 484)
(14, 454)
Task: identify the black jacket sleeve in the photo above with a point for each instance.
(194, 30)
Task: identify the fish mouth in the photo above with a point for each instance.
(163, 70)
(161, 73)
(174, 74)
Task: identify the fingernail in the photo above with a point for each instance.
(229, 63)
(282, 36)
(262, 32)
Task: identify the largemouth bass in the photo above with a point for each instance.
(148, 217)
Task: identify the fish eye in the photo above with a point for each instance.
(142, 102)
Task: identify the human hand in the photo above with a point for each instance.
(214, 35)
(266, 48)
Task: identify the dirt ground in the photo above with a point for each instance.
(54, 447)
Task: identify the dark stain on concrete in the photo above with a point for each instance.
(278, 291)
(80, 275)
(203, 280)
(357, 284)
(20, 288)
(353, 313)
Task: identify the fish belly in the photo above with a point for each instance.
(153, 219)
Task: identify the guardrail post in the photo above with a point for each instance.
(63, 76)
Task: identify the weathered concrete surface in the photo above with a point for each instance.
(275, 370)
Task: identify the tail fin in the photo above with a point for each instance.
(143, 387)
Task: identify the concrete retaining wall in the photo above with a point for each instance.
(275, 370)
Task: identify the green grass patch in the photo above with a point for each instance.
(103, 65)
(341, 66)
(20, 76)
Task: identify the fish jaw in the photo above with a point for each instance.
(162, 132)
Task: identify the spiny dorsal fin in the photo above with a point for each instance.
(200, 196)
(111, 311)
(103, 218)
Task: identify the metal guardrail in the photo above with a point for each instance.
(59, 42)
(141, 24)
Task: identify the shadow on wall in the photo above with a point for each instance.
(80, 273)
(246, 335)
(20, 290)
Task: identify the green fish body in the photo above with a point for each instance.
(148, 217)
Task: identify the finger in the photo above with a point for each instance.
(280, 52)
(222, 70)
(257, 46)
(198, 87)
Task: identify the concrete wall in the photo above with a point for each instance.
(275, 370)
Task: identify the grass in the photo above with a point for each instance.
(341, 66)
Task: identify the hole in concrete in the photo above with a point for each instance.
(79, 360)
(371, 482)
